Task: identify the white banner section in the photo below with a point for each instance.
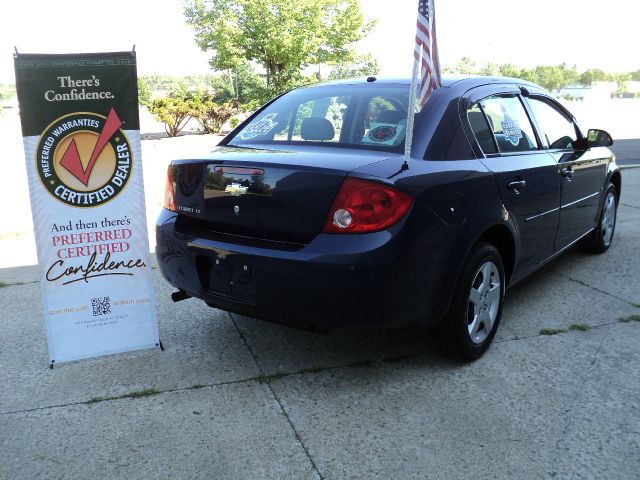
(87, 199)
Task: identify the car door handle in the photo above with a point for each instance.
(516, 186)
(567, 173)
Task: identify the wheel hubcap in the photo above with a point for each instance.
(484, 302)
(608, 218)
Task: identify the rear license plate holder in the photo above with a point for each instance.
(233, 278)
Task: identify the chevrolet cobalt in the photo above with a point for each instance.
(307, 213)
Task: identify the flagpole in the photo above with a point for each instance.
(411, 112)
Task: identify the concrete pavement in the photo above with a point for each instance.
(233, 397)
(627, 151)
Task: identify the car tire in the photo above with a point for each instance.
(600, 239)
(471, 323)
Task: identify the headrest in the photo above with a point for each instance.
(315, 128)
(390, 116)
(478, 122)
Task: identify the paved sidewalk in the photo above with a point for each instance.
(233, 397)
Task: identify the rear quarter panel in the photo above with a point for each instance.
(463, 195)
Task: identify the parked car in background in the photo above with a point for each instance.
(307, 214)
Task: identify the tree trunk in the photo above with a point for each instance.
(233, 86)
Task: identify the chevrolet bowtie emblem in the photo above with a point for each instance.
(236, 189)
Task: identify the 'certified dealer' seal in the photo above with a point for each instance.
(84, 159)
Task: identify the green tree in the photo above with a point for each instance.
(362, 66)
(622, 79)
(464, 66)
(180, 88)
(223, 90)
(284, 36)
(144, 92)
(554, 77)
(509, 70)
(249, 85)
(594, 75)
(528, 74)
(490, 69)
(154, 81)
(242, 86)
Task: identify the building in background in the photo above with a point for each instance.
(596, 91)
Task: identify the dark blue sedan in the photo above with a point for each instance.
(308, 215)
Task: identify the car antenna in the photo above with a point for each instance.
(403, 168)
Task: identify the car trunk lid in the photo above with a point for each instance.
(266, 194)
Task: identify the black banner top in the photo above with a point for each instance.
(51, 86)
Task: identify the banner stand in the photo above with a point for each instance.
(81, 133)
(159, 344)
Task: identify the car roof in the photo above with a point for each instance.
(448, 80)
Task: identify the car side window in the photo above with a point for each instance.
(558, 131)
(509, 124)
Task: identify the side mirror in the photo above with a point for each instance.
(599, 138)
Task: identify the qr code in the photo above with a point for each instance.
(101, 306)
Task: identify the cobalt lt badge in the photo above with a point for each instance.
(236, 210)
(84, 159)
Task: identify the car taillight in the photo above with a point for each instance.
(363, 207)
(170, 191)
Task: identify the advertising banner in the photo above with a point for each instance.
(81, 132)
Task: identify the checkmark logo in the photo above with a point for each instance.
(84, 159)
(71, 160)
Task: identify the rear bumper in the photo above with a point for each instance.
(384, 279)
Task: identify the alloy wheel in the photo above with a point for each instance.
(484, 302)
(608, 221)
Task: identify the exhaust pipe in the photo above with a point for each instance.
(179, 296)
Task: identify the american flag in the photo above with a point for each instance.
(426, 50)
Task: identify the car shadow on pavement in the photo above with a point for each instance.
(553, 297)
(281, 349)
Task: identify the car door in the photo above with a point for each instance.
(526, 175)
(582, 172)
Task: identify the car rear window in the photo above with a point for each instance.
(355, 116)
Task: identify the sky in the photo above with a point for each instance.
(586, 33)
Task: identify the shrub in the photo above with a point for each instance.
(211, 115)
(173, 112)
(234, 122)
